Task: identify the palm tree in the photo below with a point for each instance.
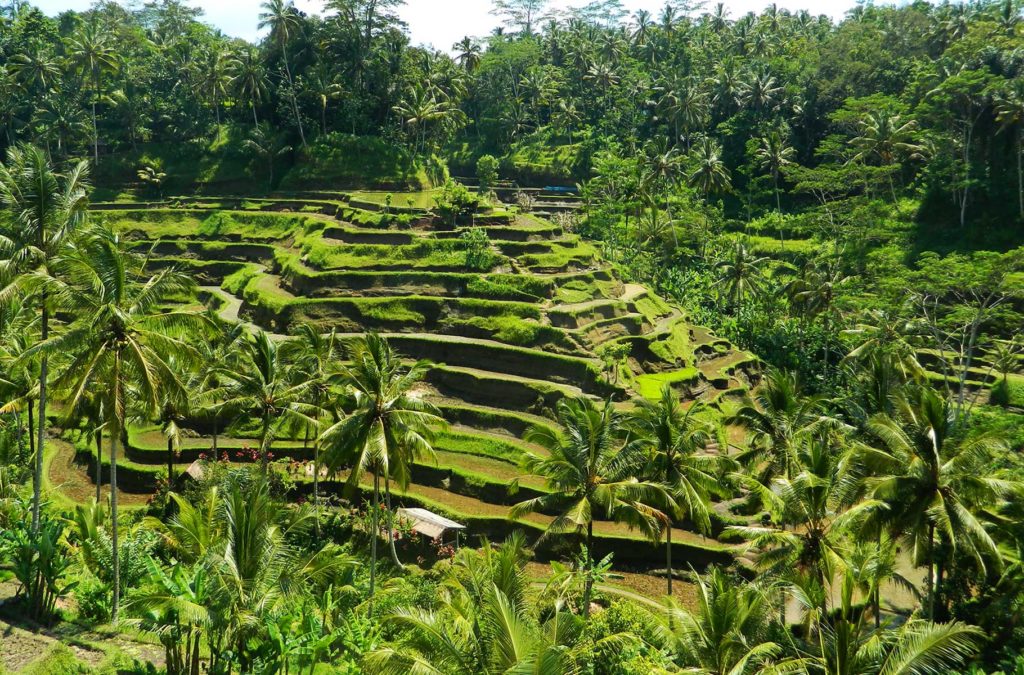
(589, 472)
(122, 342)
(663, 167)
(220, 347)
(773, 154)
(90, 50)
(937, 482)
(673, 438)
(728, 634)
(249, 79)
(419, 109)
(265, 146)
(324, 85)
(313, 356)
(741, 275)
(47, 212)
(812, 508)
(467, 53)
(19, 376)
(215, 76)
(889, 337)
(886, 138)
(484, 623)
(847, 645)
(259, 382)
(779, 420)
(386, 431)
(709, 174)
(283, 20)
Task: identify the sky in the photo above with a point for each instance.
(438, 23)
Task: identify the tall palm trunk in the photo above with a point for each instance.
(265, 442)
(668, 557)
(31, 431)
(170, 463)
(98, 439)
(391, 523)
(95, 128)
(291, 88)
(374, 531)
(316, 476)
(44, 367)
(117, 418)
(588, 586)
(930, 580)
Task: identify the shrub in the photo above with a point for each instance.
(39, 561)
(456, 201)
(478, 249)
(487, 173)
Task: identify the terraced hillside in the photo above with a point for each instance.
(511, 325)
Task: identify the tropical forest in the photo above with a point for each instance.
(610, 341)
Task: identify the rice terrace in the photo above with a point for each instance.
(610, 339)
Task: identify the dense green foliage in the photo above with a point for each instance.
(843, 200)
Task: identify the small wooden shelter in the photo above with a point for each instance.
(430, 524)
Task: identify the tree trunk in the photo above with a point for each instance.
(31, 432)
(95, 129)
(291, 88)
(170, 463)
(374, 531)
(668, 557)
(1020, 176)
(391, 523)
(44, 367)
(265, 443)
(930, 580)
(117, 417)
(588, 585)
(316, 480)
(98, 438)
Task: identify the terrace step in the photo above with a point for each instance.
(486, 388)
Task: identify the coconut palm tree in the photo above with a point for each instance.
(90, 49)
(259, 382)
(46, 214)
(728, 634)
(284, 21)
(741, 275)
(122, 342)
(484, 623)
(779, 420)
(1010, 114)
(709, 174)
(847, 645)
(264, 145)
(675, 440)
(249, 79)
(773, 154)
(19, 376)
(812, 509)
(313, 356)
(886, 138)
(590, 473)
(937, 483)
(467, 53)
(388, 428)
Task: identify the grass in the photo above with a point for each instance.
(649, 385)
(436, 254)
(422, 199)
(190, 224)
